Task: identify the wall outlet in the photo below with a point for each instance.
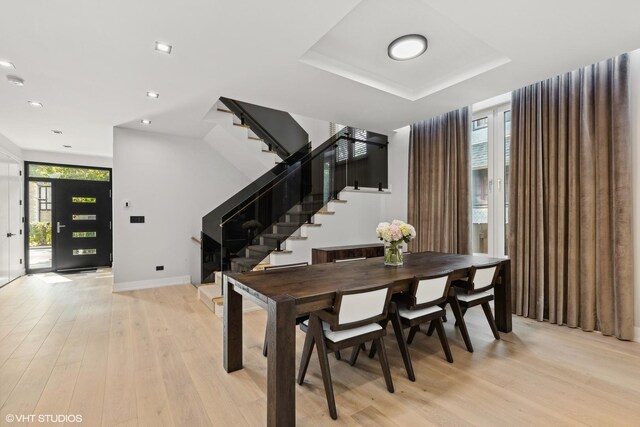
(159, 267)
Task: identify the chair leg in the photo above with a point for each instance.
(492, 322)
(354, 354)
(307, 349)
(384, 364)
(337, 355)
(402, 344)
(324, 366)
(455, 307)
(432, 327)
(412, 333)
(372, 352)
(443, 338)
(264, 345)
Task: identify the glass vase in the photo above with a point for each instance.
(393, 255)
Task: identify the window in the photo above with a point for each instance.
(490, 148)
(67, 172)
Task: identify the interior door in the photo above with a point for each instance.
(4, 219)
(82, 224)
(15, 233)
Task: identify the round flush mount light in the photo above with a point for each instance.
(154, 95)
(145, 121)
(7, 64)
(56, 131)
(66, 146)
(15, 80)
(35, 104)
(407, 47)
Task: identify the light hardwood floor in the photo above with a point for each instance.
(154, 357)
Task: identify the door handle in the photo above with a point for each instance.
(10, 234)
(59, 226)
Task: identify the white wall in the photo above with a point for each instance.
(173, 181)
(318, 130)
(397, 202)
(635, 145)
(67, 158)
(9, 148)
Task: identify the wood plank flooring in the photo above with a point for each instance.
(68, 345)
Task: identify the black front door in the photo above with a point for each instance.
(82, 224)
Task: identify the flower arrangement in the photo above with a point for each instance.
(395, 233)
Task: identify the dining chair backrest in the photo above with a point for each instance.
(356, 307)
(349, 259)
(278, 267)
(427, 291)
(484, 277)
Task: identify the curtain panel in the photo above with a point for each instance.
(570, 219)
(439, 174)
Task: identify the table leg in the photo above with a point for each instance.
(232, 328)
(281, 362)
(502, 294)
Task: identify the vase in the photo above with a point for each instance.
(393, 255)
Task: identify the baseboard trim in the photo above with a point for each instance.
(152, 283)
(637, 337)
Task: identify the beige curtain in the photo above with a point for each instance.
(570, 220)
(439, 169)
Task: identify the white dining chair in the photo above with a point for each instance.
(357, 317)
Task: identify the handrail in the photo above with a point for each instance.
(304, 160)
(254, 123)
(281, 132)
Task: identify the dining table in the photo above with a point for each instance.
(289, 293)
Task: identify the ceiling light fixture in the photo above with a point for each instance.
(35, 103)
(145, 121)
(15, 80)
(407, 47)
(155, 95)
(57, 132)
(66, 146)
(7, 64)
(163, 47)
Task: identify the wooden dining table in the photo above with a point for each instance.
(289, 293)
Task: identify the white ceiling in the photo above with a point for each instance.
(91, 62)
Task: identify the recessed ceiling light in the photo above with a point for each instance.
(163, 47)
(153, 95)
(7, 64)
(145, 121)
(407, 47)
(35, 103)
(57, 132)
(66, 146)
(15, 80)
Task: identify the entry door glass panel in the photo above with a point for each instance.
(40, 218)
(82, 224)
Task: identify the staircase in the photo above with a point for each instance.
(278, 206)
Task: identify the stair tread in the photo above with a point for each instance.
(244, 261)
(223, 110)
(255, 138)
(260, 248)
(279, 236)
(241, 125)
